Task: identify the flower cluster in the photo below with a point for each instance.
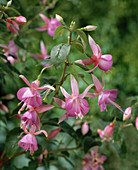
(93, 160)
(31, 99)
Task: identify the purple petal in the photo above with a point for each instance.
(86, 91)
(92, 95)
(25, 80)
(74, 86)
(112, 94)
(4, 46)
(44, 108)
(68, 96)
(23, 90)
(97, 83)
(59, 102)
(103, 98)
(87, 61)
(46, 87)
(43, 28)
(35, 101)
(43, 49)
(93, 46)
(105, 62)
(44, 18)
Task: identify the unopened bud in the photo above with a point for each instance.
(85, 128)
(59, 18)
(9, 3)
(108, 131)
(137, 123)
(8, 97)
(89, 28)
(53, 133)
(4, 108)
(21, 20)
(127, 114)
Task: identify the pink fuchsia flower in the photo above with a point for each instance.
(93, 160)
(21, 20)
(10, 49)
(104, 62)
(44, 1)
(30, 95)
(54, 133)
(136, 123)
(127, 114)
(43, 55)
(75, 105)
(31, 117)
(84, 128)
(28, 142)
(104, 96)
(51, 25)
(10, 28)
(107, 132)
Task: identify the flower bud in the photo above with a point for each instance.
(59, 18)
(21, 20)
(9, 3)
(85, 128)
(10, 28)
(8, 97)
(137, 123)
(127, 114)
(4, 108)
(53, 133)
(90, 28)
(108, 131)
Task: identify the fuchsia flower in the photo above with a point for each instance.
(43, 55)
(10, 49)
(28, 142)
(54, 133)
(31, 117)
(104, 62)
(10, 28)
(30, 95)
(107, 132)
(21, 20)
(136, 123)
(51, 25)
(93, 160)
(127, 114)
(44, 1)
(85, 128)
(75, 105)
(104, 96)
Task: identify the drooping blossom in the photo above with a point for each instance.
(31, 117)
(28, 142)
(54, 133)
(84, 128)
(51, 25)
(10, 49)
(43, 55)
(75, 105)
(10, 28)
(21, 20)
(93, 160)
(127, 114)
(107, 132)
(30, 95)
(104, 96)
(136, 123)
(43, 155)
(104, 62)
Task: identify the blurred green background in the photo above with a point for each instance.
(116, 33)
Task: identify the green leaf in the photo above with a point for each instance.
(89, 142)
(68, 129)
(19, 43)
(78, 45)
(59, 54)
(59, 31)
(11, 145)
(83, 38)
